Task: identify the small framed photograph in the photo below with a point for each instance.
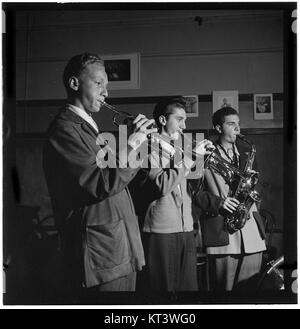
(123, 71)
(191, 106)
(263, 107)
(225, 98)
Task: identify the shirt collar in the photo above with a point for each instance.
(84, 115)
(222, 151)
(234, 147)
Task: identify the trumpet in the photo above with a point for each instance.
(117, 114)
(162, 140)
(194, 142)
(166, 148)
(188, 149)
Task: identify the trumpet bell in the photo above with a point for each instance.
(120, 117)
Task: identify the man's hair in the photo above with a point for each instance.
(166, 107)
(219, 116)
(77, 64)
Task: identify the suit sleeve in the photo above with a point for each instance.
(77, 160)
(208, 202)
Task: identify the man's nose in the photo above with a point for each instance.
(182, 126)
(237, 127)
(104, 92)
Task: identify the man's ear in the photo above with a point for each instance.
(162, 120)
(218, 129)
(74, 83)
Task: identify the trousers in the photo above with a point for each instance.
(171, 261)
(234, 272)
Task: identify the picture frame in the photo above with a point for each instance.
(225, 98)
(263, 107)
(192, 107)
(123, 71)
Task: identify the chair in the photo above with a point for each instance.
(202, 267)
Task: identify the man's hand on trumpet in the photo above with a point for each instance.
(205, 147)
(139, 129)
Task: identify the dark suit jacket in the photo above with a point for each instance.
(92, 206)
(213, 226)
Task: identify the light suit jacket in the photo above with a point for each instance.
(169, 208)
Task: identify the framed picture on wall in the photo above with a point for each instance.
(225, 98)
(123, 71)
(263, 107)
(192, 106)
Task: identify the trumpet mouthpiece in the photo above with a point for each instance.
(241, 136)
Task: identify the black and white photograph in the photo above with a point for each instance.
(149, 155)
(263, 107)
(122, 71)
(225, 98)
(192, 108)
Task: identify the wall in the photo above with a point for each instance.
(231, 50)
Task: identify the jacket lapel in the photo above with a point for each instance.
(68, 115)
(89, 129)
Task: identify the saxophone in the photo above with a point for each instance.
(242, 184)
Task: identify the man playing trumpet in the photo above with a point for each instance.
(169, 239)
(92, 207)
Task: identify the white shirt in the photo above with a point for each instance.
(84, 115)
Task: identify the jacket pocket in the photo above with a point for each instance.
(213, 232)
(107, 245)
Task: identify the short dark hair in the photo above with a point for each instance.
(77, 64)
(166, 107)
(219, 116)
